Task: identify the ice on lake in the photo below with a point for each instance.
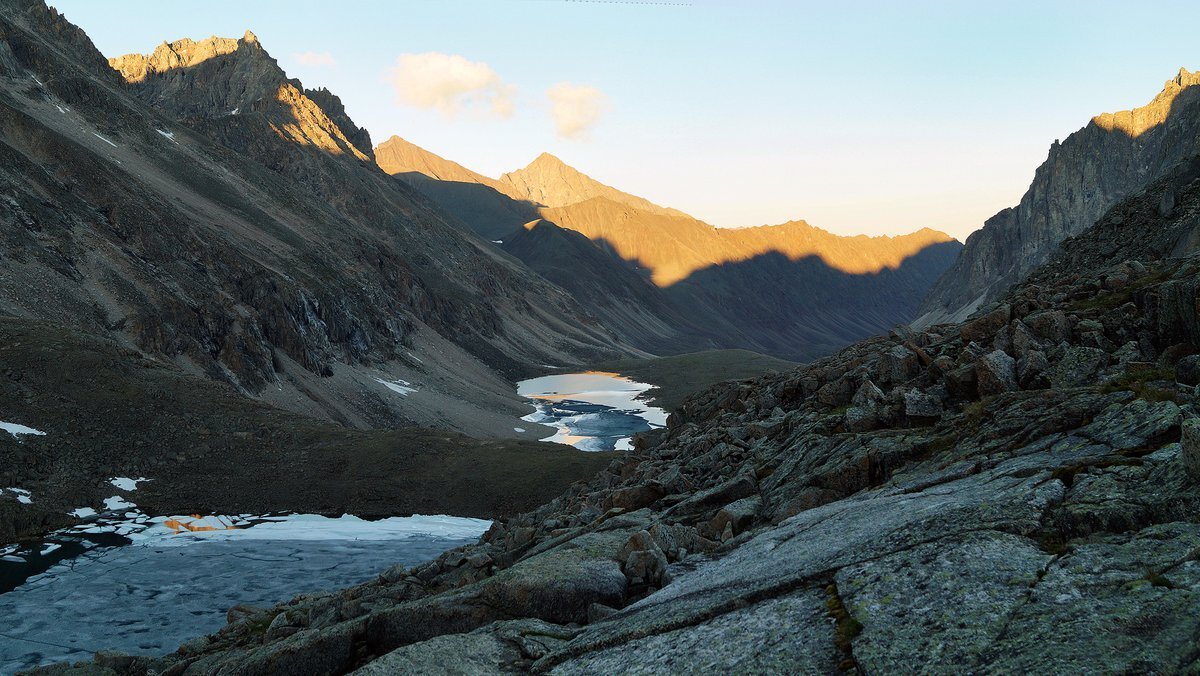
(592, 411)
(144, 585)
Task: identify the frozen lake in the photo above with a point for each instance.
(144, 585)
(592, 411)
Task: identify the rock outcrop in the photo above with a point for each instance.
(1113, 157)
(922, 501)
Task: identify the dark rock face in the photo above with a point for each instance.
(1047, 516)
(1113, 157)
(1189, 454)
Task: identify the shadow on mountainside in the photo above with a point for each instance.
(794, 308)
(483, 209)
(802, 309)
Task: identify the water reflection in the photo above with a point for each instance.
(593, 411)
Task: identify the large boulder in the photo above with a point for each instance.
(898, 365)
(1187, 370)
(984, 328)
(918, 404)
(997, 373)
(1050, 325)
(1189, 454)
(1078, 366)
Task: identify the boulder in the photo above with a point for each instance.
(475, 653)
(898, 365)
(996, 372)
(984, 328)
(739, 514)
(1189, 453)
(859, 419)
(1032, 369)
(1078, 366)
(918, 404)
(1051, 325)
(961, 382)
(1187, 370)
(868, 395)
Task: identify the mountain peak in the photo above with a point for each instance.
(546, 159)
(249, 37)
(1138, 121)
(550, 182)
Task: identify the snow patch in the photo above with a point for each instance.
(169, 135)
(104, 139)
(61, 109)
(23, 496)
(125, 483)
(17, 430)
(117, 502)
(235, 111)
(519, 429)
(313, 527)
(497, 241)
(399, 386)
(82, 512)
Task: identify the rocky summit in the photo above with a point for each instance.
(1081, 179)
(1015, 493)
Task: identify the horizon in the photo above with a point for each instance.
(669, 121)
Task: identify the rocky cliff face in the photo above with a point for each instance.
(1015, 493)
(263, 248)
(1082, 178)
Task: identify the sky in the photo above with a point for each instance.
(858, 117)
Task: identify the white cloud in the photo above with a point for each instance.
(575, 108)
(449, 82)
(315, 59)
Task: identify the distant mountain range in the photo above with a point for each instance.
(667, 282)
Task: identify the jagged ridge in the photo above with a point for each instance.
(1082, 177)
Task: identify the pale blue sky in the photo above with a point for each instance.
(859, 117)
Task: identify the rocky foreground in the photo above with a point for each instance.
(1017, 493)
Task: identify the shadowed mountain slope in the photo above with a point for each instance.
(485, 205)
(669, 283)
(214, 213)
(1082, 177)
(670, 248)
